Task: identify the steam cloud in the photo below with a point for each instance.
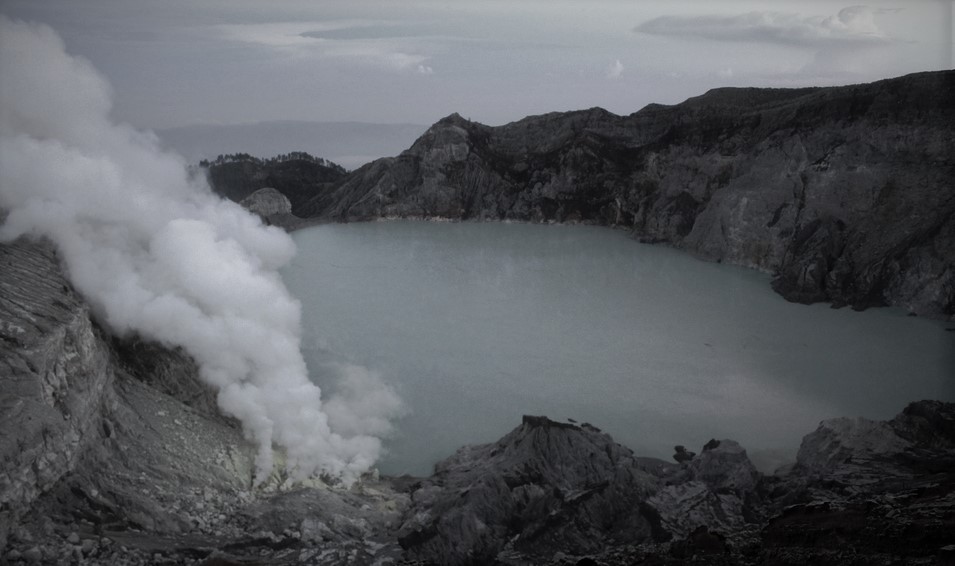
(157, 253)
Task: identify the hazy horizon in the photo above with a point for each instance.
(217, 63)
(349, 144)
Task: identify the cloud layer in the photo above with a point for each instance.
(850, 26)
(324, 39)
(158, 254)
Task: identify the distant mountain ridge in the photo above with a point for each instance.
(844, 194)
(350, 144)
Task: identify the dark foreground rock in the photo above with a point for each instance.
(557, 489)
(844, 194)
(861, 492)
(111, 452)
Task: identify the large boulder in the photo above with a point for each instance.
(544, 487)
(267, 201)
(272, 206)
(717, 491)
(921, 438)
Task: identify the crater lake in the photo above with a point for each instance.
(477, 324)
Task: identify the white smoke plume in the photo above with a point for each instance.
(157, 253)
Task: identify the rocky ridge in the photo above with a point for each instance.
(112, 452)
(296, 175)
(844, 194)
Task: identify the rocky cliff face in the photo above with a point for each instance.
(273, 207)
(55, 377)
(298, 176)
(845, 194)
(113, 452)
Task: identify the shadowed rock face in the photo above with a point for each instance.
(266, 202)
(845, 194)
(296, 178)
(544, 487)
(861, 492)
(54, 377)
(273, 207)
(864, 492)
(551, 487)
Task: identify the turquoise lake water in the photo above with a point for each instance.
(477, 324)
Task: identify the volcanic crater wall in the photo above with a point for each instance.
(844, 194)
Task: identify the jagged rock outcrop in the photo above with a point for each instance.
(868, 492)
(544, 487)
(845, 194)
(916, 440)
(298, 176)
(550, 487)
(717, 490)
(273, 207)
(861, 492)
(56, 376)
(267, 202)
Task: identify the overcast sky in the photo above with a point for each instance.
(181, 62)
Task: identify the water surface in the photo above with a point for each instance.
(477, 324)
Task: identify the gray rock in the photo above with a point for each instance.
(716, 490)
(724, 467)
(544, 487)
(273, 207)
(921, 438)
(33, 555)
(55, 374)
(267, 201)
(682, 455)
